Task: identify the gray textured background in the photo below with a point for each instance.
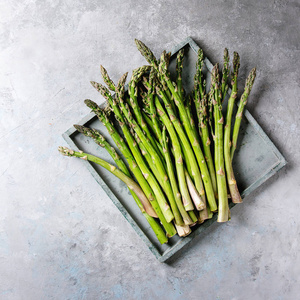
(60, 236)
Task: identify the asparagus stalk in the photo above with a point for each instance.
(183, 187)
(186, 148)
(145, 153)
(186, 160)
(149, 122)
(204, 133)
(199, 84)
(179, 67)
(189, 110)
(177, 145)
(101, 141)
(234, 191)
(239, 114)
(132, 185)
(164, 76)
(151, 92)
(193, 217)
(205, 212)
(164, 179)
(138, 167)
(210, 108)
(184, 140)
(186, 219)
(163, 67)
(219, 145)
(187, 202)
(201, 105)
(132, 90)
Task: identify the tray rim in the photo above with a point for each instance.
(182, 241)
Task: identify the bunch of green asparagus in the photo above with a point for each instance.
(178, 147)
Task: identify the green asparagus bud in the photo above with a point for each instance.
(107, 79)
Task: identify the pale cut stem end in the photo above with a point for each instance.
(223, 216)
(199, 204)
(183, 230)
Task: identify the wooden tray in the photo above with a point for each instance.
(256, 159)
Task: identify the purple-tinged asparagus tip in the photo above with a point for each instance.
(91, 104)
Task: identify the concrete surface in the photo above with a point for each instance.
(60, 237)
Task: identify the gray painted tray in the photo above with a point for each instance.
(256, 160)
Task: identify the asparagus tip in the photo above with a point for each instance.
(107, 79)
(65, 151)
(94, 84)
(226, 54)
(91, 104)
(236, 64)
(79, 128)
(250, 79)
(103, 70)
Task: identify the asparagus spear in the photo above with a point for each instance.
(149, 122)
(204, 133)
(163, 67)
(132, 90)
(164, 76)
(101, 141)
(145, 153)
(239, 114)
(199, 83)
(186, 160)
(186, 145)
(189, 110)
(138, 167)
(151, 92)
(183, 188)
(187, 220)
(201, 105)
(205, 212)
(132, 185)
(219, 145)
(193, 217)
(164, 179)
(190, 159)
(178, 156)
(234, 191)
